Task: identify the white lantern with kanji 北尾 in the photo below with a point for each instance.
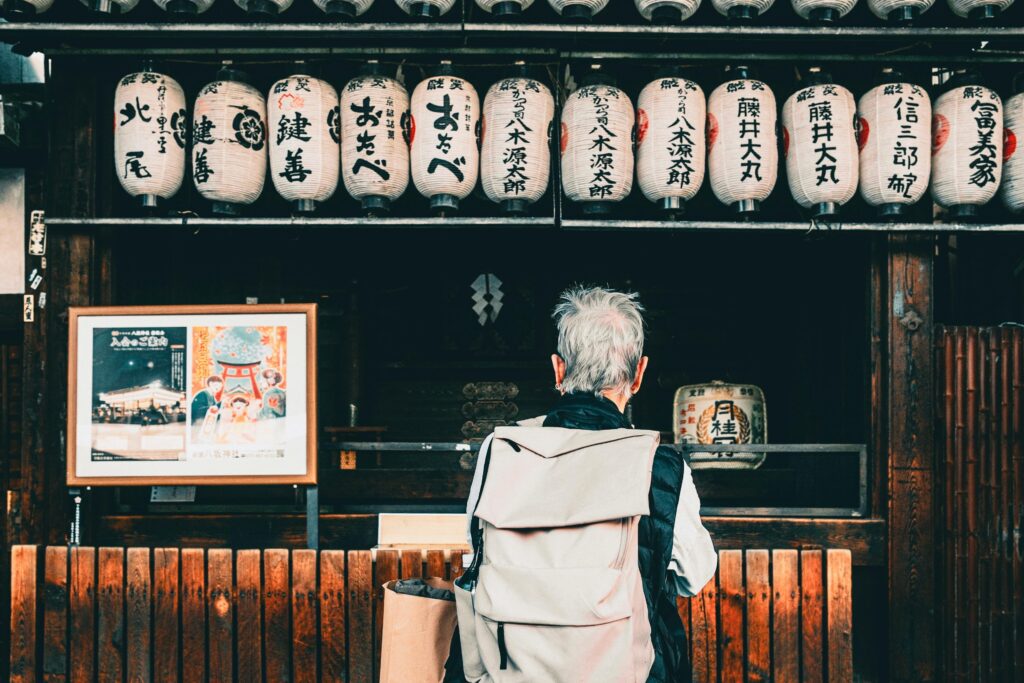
(150, 132)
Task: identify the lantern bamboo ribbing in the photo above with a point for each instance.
(743, 151)
(667, 11)
(344, 8)
(981, 10)
(110, 6)
(899, 11)
(375, 109)
(821, 154)
(823, 11)
(425, 9)
(670, 151)
(229, 142)
(1012, 187)
(26, 8)
(742, 10)
(150, 131)
(184, 8)
(894, 138)
(578, 10)
(302, 115)
(967, 146)
(264, 8)
(515, 149)
(504, 8)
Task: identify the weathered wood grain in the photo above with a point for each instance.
(166, 615)
(24, 666)
(220, 614)
(249, 596)
(305, 614)
(55, 616)
(276, 615)
(333, 647)
(110, 642)
(138, 622)
(193, 615)
(785, 633)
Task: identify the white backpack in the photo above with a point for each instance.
(554, 594)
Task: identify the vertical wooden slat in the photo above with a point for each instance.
(1017, 429)
(360, 621)
(959, 476)
(110, 643)
(220, 615)
(455, 564)
(83, 614)
(249, 591)
(304, 616)
(435, 564)
(333, 646)
(193, 615)
(758, 621)
(811, 616)
(139, 634)
(946, 607)
(840, 616)
(55, 616)
(385, 569)
(704, 633)
(411, 564)
(1005, 531)
(24, 559)
(972, 503)
(166, 622)
(276, 615)
(683, 610)
(731, 596)
(785, 616)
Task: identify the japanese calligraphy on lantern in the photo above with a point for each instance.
(304, 150)
(742, 143)
(597, 145)
(967, 146)
(720, 413)
(176, 395)
(670, 139)
(444, 128)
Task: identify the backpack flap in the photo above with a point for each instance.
(543, 477)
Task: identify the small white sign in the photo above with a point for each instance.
(172, 494)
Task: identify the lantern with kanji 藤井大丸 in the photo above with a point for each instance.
(150, 132)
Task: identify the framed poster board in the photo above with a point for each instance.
(165, 395)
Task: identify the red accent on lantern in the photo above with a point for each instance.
(940, 132)
(1009, 143)
(712, 130)
(563, 139)
(412, 128)
(642, 124)
(785, 142)
(863, 131)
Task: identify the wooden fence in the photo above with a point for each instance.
(165, 614)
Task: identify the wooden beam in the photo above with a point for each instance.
(912, 452)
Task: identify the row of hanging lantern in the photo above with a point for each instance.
(376, 138)
(304, 132)
(656, 11)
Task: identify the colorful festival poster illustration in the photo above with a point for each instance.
(138, 409)
(238, 395)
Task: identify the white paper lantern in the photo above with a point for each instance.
(967, 147)
(425, 9)
(823, 11)
(984, 10)
(671, 115)
(666, 11)
(150, 132)
(821, 146)
(303, 119)
(504, 8)
(578, 10)
(894, 135)
(597, 146)
(229, 143)
(742, 10)
(444, 126)
(374, 139)
(515, 149)
(184, 8)
(264, 8)
(344, 8)
(899, 11)
(110, 6)
(25, 8)
(743, 151)
(1012, 187)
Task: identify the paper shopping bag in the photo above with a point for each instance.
(419, 620)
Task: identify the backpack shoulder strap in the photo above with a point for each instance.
(475, 530)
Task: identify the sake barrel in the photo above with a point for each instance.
(597, 145)
(150, 132)
(899, 12)
(443, 152)
(303, 118)
(25, 8)
(967, 146)
(823, 11)
(344, 9)
(504, 8)
(667, 11)
(184, 8)
(110, 6)
(515, 149)
(979, 10)
(743, 151)
(425, 9)
(721, 413)
(263, 8)
(375, 138)
(1012, 187)
(229, 142)
(577, 10)
(742, 10)
(670, 135)
(820, 141)
(894, 136)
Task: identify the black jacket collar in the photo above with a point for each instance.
(586, 411)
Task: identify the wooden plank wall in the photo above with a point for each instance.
(981, 610)
(113, 613)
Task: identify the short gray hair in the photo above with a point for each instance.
(600, 338)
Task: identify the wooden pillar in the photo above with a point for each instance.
(912, 453)
(71, 261)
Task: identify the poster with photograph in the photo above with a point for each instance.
(200, 395)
